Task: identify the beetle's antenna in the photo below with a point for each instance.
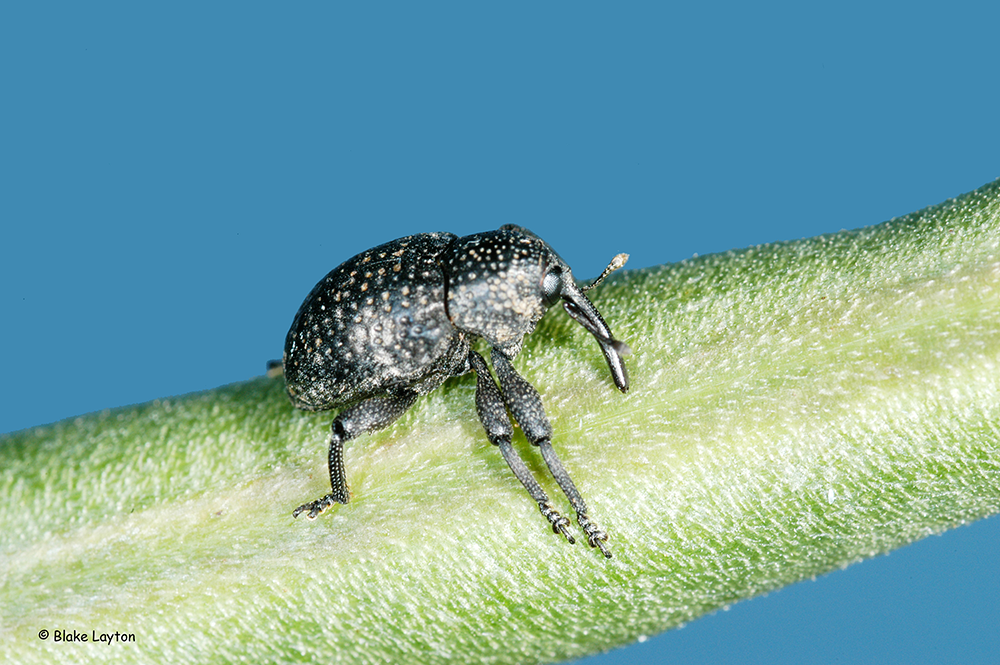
(615, 264)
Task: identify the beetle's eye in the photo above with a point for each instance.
(552, 286)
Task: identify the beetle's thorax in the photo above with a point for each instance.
(494, 285)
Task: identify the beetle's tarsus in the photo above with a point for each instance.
(596, 536)
(559, 523)
(317, 507)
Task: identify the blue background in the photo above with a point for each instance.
(174, 179)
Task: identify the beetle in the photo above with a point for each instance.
(394, 322)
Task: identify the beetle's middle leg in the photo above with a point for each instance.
(367, 416)
(526, 406)
(493, 415)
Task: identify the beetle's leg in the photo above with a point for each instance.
(526, 407)
(367, 416)
(493, 415)
(596, 536)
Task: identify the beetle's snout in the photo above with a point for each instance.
(578, 306)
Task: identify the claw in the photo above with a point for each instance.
(558, 522)
(596, 536)
(315, 508)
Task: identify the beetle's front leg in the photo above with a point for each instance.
(493, 415)
(526, 406)
(367, 416)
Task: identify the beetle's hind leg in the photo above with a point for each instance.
(367, 416)
(493, 415)
(526, 406)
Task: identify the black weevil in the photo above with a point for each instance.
(395, 321)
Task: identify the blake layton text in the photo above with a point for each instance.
(94, 636)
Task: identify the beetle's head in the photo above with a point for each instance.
(501, 282)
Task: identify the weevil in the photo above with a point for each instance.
(394, 322)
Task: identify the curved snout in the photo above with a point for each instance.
(578, 305)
